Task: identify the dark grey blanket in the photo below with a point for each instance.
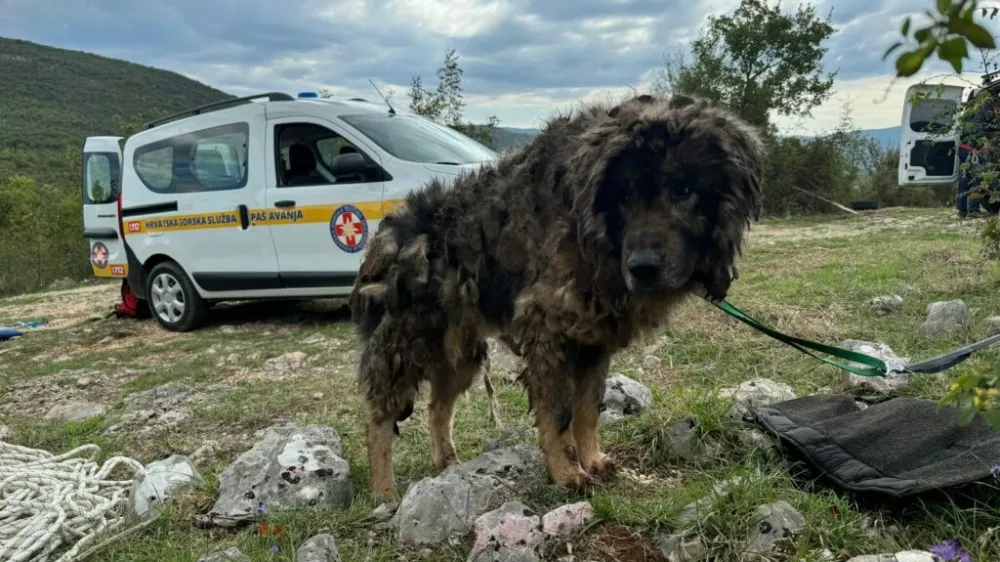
(901, 447)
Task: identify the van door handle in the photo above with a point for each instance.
(244, 217)
(284, 203)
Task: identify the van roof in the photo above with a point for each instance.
(340, 106)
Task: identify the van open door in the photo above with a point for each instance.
(102, 165)
(928, 148)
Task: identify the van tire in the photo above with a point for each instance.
(183, 316)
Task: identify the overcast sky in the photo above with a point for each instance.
(523, 59)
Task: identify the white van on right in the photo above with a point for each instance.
(930, 136)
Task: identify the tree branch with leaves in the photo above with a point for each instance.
(446, 104)
(757, 61)
(950, 31)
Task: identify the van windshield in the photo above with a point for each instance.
(415, 139)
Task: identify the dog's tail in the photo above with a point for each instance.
(367, 304)
(368, 299)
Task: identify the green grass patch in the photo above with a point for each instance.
(812, 277)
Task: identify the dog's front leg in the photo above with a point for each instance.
(441, 412)
(591, 370)
(550, 391)
(378, 439)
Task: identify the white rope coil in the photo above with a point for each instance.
(51, 502)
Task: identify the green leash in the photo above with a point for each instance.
(871, 366)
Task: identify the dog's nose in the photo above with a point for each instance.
(644, 265)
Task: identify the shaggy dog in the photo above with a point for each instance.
(566, 250)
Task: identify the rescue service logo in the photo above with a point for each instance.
(99, 255)
(349, 228)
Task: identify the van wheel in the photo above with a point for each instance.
(173, 300)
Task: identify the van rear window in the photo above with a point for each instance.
(934, 116)
(100, 180)
(212, 159)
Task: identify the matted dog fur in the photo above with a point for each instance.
(566, 250)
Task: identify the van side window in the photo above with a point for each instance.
(212, 159)
(100, 178)
(311, 154)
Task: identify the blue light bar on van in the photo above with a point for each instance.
(308, 95)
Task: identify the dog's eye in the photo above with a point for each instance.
(681, 191)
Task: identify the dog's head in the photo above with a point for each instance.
(670, 187)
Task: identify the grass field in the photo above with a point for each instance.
(809, 277)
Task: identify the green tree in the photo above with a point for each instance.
(40, 235)
(449, 89)
(756, 61)
(446, 104)
(423, 102)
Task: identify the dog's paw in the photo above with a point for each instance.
(578, 481)
(383, 495)
(603, 468)
(445, 463)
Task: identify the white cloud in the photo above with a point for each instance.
(876, 102)
(450, 18)
(523, 59)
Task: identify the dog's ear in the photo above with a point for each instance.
(747, 155)
(679, 101)
(739, 206)
(718, 279)
(602, 177)
(642, 99)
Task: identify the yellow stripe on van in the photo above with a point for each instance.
(273, 216)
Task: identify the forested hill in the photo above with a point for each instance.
(52, 99)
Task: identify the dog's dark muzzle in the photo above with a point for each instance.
(645, 268)
(648, 270)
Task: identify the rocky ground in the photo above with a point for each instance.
(257, 416)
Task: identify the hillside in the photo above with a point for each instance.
(888, 137)
(507, 138)
(54, 98)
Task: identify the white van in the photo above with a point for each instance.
(929, 134)
(261, 197)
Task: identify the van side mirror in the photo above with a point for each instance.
(348, 164)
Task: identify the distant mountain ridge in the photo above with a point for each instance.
(511, 137)
(887, 137)
(40, 122)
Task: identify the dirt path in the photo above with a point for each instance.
(62, 308)
(851, 226)
(70, 307)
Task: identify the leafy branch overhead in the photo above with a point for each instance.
(950, 31)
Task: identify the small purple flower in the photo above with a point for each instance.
(274, 548)
(951, 550)
(995, 471)
(261, 509)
